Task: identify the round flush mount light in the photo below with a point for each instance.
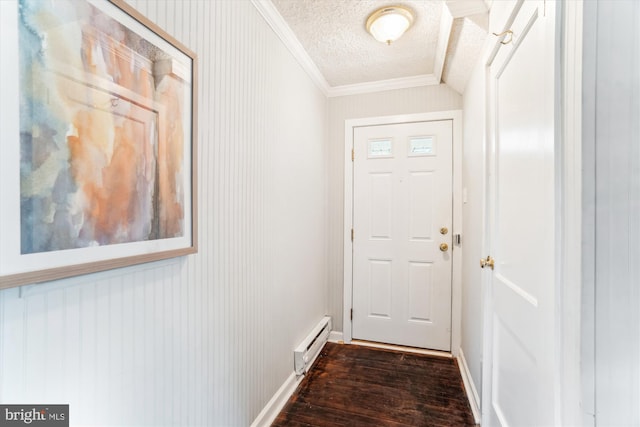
(389, 23)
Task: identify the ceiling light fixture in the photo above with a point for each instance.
(389, 23)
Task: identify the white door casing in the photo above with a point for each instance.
(520, 335)
(402, 214)
(456, 254)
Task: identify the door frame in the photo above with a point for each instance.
(456, 253)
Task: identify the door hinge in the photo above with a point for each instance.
(352, 233)
(353, 154)
(351, 316)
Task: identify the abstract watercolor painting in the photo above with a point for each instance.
(106, 107)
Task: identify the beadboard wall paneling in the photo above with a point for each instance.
(423, 99)
(611, 209)
(205, 339)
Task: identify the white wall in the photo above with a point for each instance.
(206, 339)
(473, 221)
(387, 103)
(611, 208)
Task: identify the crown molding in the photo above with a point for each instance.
(382, 85)
(286, 34)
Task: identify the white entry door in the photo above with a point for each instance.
(402, 216)
(520, 328)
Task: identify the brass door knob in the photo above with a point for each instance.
(487, 262)
(444, 247)
(444, 230)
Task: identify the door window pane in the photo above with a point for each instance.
(380, 148)
(421, 146)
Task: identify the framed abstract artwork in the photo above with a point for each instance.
(98, 140)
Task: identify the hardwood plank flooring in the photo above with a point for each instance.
(351, 385)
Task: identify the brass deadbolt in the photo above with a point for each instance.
(444, 230)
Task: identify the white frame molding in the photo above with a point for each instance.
(569, 367)
(456, 258)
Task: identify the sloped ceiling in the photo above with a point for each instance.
(443, 43)
(465, 46)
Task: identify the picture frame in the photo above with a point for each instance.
(98, 140)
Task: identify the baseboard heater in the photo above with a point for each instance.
(305, 354)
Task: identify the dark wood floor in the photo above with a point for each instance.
(351, 385)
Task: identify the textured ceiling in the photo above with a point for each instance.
(334, 35)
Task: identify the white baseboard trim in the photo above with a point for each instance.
(271, 410)
(469, 387)
(336, 337)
